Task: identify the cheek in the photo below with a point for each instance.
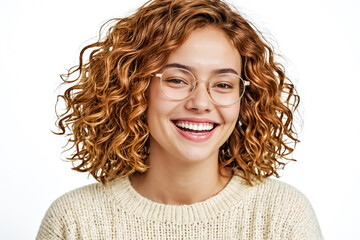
(159, 107)
(231, 115)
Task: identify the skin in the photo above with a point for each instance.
(183, 171)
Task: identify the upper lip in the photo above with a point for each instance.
(197, 120)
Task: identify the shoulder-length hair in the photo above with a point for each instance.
(106, 105)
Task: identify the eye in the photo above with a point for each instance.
(176, 81)
(223, 85)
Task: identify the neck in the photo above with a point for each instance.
(179, 183)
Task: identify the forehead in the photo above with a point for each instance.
(207, 49)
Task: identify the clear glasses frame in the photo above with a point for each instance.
(245, 84)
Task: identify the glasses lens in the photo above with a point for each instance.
(177, 83)
(226, 89)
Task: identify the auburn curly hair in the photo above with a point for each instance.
(106, 103)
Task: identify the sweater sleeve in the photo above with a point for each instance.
(304, 221)
(52, 225)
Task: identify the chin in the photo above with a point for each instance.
(197, 155)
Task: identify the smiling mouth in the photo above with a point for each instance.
(195, 127)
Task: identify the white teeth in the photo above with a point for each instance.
(195, 126)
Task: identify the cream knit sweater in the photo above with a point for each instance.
(269, 210)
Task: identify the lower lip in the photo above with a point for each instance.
(195, 137)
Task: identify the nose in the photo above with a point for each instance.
(199, 100)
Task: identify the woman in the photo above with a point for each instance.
(181, 113)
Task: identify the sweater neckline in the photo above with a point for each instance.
(129, 200)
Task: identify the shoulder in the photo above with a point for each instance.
(269, 191)
(276, 195)
(89, 194)
(289, 208)
(279, 191)
(81, 208)
(89, 197)
(69, 204)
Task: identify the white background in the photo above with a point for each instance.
(41, 39)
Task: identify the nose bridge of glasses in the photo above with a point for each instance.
(204, 82)
(200, 95)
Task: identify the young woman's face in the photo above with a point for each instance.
(207, 51)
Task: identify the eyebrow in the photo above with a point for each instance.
(191, 69)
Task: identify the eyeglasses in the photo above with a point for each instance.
(224, 89)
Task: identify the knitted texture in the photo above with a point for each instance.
(269, 210)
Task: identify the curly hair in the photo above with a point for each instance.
(106, 104)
